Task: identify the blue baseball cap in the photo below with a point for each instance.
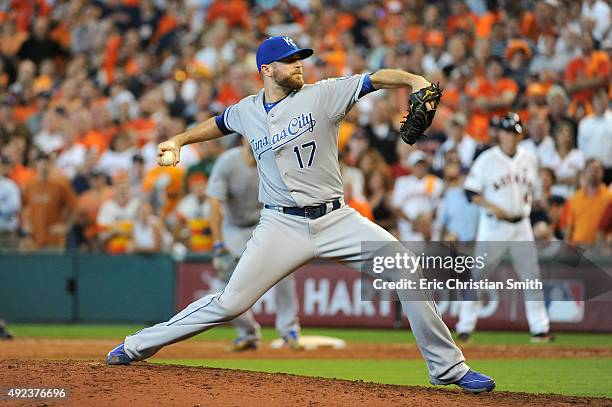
(277, 48)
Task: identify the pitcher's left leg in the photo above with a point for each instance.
(257, 271)
(248, 330)
(287, 307)
(339, 235)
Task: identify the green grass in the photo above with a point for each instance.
(353, 335)
(567, 376)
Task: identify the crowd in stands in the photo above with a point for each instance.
(89, 88)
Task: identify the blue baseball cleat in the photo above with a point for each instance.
(117, 356)
(242, 344)
(475, 382)
(292, 341)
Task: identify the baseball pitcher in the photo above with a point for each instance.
(292, 129)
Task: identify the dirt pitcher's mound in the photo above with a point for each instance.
(49, 348)
(94, 384)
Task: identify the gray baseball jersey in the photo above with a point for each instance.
(235, 183)
(296, 143)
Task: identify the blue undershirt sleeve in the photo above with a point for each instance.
(367, 86)
(221, 124)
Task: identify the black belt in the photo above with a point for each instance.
(311, 212)
(513, 219)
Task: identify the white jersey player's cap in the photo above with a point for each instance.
(511, 122)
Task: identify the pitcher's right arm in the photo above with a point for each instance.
(205, 131)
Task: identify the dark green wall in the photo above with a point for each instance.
(86, 287)
(34, 287)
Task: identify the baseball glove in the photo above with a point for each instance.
(419, 118)
(224, 264)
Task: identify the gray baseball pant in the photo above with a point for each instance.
(280, 244)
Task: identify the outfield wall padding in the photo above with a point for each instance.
(36, 288)
(135, 288)
(86, 288)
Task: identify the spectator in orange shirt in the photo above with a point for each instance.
(359, 204)
(165, 186)
(103, 129)
(16, 150)
(605, 226)
(586, 73)
(11, 40)
(89, 203)
(461, 18)
(540, 21)
(588, 204)
(492, 94)
(235, 12)
(26, 105)
(50, 208)
(82, 120)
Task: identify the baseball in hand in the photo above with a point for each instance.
(167, 158)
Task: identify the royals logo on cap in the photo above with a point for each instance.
(289, 41)
(278, 48)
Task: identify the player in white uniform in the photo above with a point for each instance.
(501, 181)
(232, 192)
(293, 131)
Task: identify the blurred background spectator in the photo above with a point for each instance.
(148, 234)
(588, 205)
(50, 207)
(10, 206)
(595, 133)
(116, 216)
(87, 90)
(193, 214)
(457, 218)
(415, 199)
